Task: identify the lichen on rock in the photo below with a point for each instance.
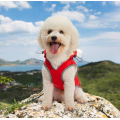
(97, 107)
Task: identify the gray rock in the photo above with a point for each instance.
(97, 107)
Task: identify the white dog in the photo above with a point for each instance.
(60, 39)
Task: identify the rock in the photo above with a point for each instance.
(97, 107)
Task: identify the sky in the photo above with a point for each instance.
(98, 24)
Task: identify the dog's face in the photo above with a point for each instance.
(58, 35)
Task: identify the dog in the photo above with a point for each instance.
(60, 39)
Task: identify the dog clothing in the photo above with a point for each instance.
(57, 75)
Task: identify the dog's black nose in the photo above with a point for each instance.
(54, 38)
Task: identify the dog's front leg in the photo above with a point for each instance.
(69, 88)
(48, 90)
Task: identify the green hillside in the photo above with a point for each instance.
(102, 79)
(22, 92)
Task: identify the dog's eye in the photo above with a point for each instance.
(49, 31)
(61, 32)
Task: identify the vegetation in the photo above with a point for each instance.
(20, 92)
(102, 79)
(25, 78)
(14, 106)
(5, 79)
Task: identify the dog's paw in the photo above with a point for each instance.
(45, 106)
(69, 108)
(41, 99)
(82, 100)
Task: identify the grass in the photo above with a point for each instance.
(4, 105)
(14, 106)
(22, 92)
(17, 92)
(102, 79)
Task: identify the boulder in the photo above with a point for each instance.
(97, 107)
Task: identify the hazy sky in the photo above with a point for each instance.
(98, 24)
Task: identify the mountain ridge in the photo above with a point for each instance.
(31, 61)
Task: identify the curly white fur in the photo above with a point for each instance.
(70, 43)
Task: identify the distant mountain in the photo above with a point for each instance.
(31, 61)
(3, 61)
(80, 63)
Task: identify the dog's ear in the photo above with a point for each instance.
(74, 44)
(40, 40)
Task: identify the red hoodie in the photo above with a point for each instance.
(57, 75)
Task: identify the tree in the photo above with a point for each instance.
(5, 79)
